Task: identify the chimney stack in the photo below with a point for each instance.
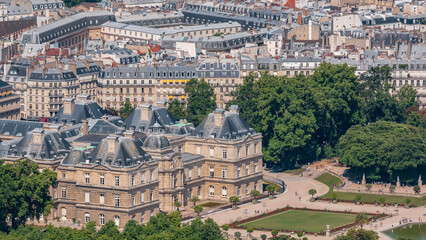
(146, 111)
(234, 109)
(68, 106)
(85, 129)
(129, 134)
(38, 134)
(111, 143)
(219, 117)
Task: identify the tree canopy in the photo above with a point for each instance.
(24, 192)
(126, 109)
(384, 150)
(176, 109)
(201, 100)
(159, 227)
(301, 118)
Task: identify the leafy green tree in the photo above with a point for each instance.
(132, 230)
(194, 200)
(176, 109)
(357, 198)
(382, 200)
(237, 235)
(359, 234)
(416, 189)
(361, 219)
(109, 231)
(407, 202)
(368, 186)
(126, 109)
(254, 194)
(201, 100)
(234, 200)
(72, 3)
(334, 196)
(177, 204)
(24, 192)
(339, 105)
(271, 189)
(312, 192)
(175, 218)
(198, 209)
(384, 150)
(274, 233)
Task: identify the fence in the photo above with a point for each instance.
(274, 180)
(380, 192)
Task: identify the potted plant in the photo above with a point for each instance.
(271, 190)
(249, 231)
(368, 186)
(357, 198)
(254, 194)
(334, 197)
(312, 192)
(225, 229)
(263, 236)
(407, 201)
(416, 189)
(392, 188)
(198, 209)
(274, 233)
(237, 235)
(382, 201)
(234, 200)
(299, 234)
(194, 200)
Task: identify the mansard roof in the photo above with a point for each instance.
(221, 124)
(112, 151)
(17, 128)
(40, 144)
(83, 109)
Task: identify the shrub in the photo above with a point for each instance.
(416, 189)
(263, 236)
(274, 233)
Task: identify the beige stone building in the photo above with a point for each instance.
(9, 102)
(305, 32)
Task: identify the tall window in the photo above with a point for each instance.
(151, 176)
(224, 154)
(224, 192)
(142, 197)
(117, 181)
(142, 177)
(189, 173)
(117, 220)
(86, 217)
(211, 190)
(117, 201)
(102, 198)
(238, 153)
(224, 172)
(151, 196)
(87, 177)
(211, 172)
(254, 148)
(238, 191)
(87, 197)
(255, 167)
(133, 200)
(247, 150)
(133, 180)
(102, 219)
(102, 179)
(238, 171)
(64, 193)
(247, 190)
(211, 152)
(247, 169)
(199, 171)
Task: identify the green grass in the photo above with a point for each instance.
(328, 179)
(295, 171)
(298, 220)
(278, 188)
(211, 204)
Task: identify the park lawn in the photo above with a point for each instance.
(278, 188)
(329, 180)
(366, 197)
(211, 204)
(298, 220)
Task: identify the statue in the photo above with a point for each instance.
(363, 179)
(398, 183)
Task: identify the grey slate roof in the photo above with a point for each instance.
(100, 126)
(17, 128)
(156, 141)
(232, 127)
(83, 109)
(51, 146)
(126, 153)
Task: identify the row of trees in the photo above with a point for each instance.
(159, 227)
(302, 118)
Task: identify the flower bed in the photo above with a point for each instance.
(237, 224)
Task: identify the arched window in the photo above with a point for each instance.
(86, 217)
(117, 220)
(102, 219)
